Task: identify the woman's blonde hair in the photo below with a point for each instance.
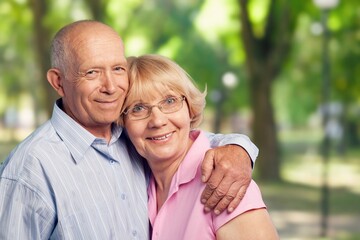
(153, 75)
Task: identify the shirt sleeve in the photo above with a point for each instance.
(237, 139)
(251, 201)
(23, 213)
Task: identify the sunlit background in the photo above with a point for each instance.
(286, 73)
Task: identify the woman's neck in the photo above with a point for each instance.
(163, 172)
(163, 177)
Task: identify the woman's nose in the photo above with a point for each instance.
(157, 118)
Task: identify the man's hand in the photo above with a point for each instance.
(227, 172)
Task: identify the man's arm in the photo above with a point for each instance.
(242, 140)
(227, 171)
(23, 214)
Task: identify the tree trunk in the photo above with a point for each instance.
(42, 36)
(265, 57)
(264, 129)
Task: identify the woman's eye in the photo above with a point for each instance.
(170, 100)
(138, 108)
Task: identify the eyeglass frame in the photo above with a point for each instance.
(150, 107)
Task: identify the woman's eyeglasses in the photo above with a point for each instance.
(140, 111)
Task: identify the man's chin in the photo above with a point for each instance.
(108, 120)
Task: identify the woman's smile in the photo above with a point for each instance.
(161, 137)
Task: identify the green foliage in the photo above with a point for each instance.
(204, 38)
(15, 66)
(182, 38)
(301, 81)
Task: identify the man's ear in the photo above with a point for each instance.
(55, 79)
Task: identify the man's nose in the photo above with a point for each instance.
(108, 82)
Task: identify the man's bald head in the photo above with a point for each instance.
(62, 47)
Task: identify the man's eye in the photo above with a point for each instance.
(119, 69)
(91, 72)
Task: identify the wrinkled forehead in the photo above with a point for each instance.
(95, 40)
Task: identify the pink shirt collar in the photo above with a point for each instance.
(187, 169)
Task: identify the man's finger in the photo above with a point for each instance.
(218, 193)
(211, 185)
(236, 201)
(228, 198)
(207, 166)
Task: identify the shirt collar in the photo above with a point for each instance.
(76, 138)
(191, 163)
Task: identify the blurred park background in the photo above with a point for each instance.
(286, 73)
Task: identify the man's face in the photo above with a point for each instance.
(96, 80)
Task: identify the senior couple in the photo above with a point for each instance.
(81, 175)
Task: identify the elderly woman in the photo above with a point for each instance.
(160, 114)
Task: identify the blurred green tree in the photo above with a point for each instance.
(271, 38)
(42, 36)
(267, 46)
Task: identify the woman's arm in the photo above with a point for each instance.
(255, 224)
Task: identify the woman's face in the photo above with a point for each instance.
(161, 136)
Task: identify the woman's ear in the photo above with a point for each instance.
(55, 79)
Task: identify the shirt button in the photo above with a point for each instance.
(134, 233)
(112, 161)
(123, 196)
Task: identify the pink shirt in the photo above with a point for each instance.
(182, 216)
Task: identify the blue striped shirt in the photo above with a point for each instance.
(62, 182)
